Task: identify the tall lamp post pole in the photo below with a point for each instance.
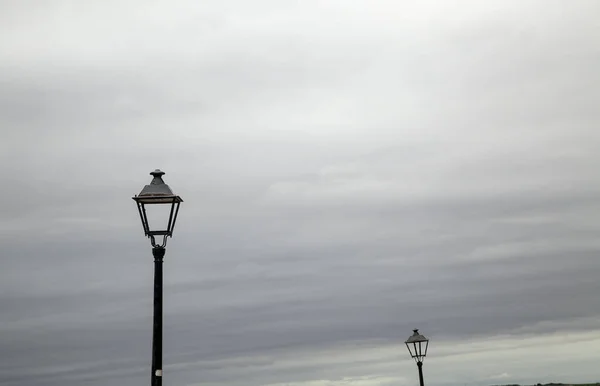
(417, 347)
(152, 200)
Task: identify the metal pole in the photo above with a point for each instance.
(158, 253)
(420, 366)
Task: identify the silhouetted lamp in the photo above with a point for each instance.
(417, 347)
(158, 208)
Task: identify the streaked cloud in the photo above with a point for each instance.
(350, 171)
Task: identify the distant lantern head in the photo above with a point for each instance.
(417, 346)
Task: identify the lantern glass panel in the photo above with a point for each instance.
(412, 348)
(158, 216)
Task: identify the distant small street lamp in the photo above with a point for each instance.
(158, 208)
(417, 347)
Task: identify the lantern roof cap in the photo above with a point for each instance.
(416, 337)
(157, 191)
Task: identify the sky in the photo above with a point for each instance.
(350, 170)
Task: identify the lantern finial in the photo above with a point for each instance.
(157, 174)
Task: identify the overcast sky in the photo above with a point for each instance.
(351, 170)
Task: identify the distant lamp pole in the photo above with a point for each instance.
(158, 208)
(417, 347)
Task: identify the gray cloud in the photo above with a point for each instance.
(350, 171)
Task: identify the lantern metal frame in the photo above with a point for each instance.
(417, 341)
(158, 193)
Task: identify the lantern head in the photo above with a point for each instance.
(417, 346)
(158, 208)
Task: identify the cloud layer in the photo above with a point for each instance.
(350, 171)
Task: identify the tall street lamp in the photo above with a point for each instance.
(417, 347)
(158, 208)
